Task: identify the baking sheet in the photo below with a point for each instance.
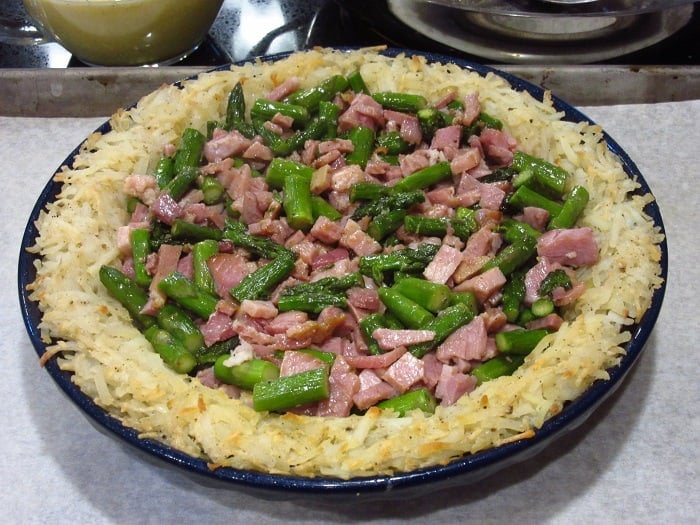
(89, 92)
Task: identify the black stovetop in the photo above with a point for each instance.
(290, 25)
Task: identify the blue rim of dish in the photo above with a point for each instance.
(467, 469)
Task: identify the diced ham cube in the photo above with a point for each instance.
(364, 298)
(389, 338)
(344, 385)
(343, 178)
(491, 196)
(448, 137)
(295, 362)
(464, 160)
(483, 285)
(228, 270)
(570, 247)
(376, 361)
(467, 343)
(443, 265)
(535, 217)
(549, 322)
(326, 230)
(258, 309)
(452, 385)
(225, 144)
(357, 240)
(372, 390)
(404, 372)
(218, 327)
(431, 370)
(286, 88)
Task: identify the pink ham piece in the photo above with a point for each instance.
(389, 338)
(218, 327)
(534, 278)
(258, 151)
(342, 179)
(372, 390)
(344, 385)
(570, 247)
(186, 266)
(405, 372)
(447, 138)
(443, 265)
(258, 309)
(225, 144)
(166, 209)
(168, 258)
(375, 361)
(562, 297)
(357, 240)
(498, 146)
(452, 385)
(468, 190)
(295, 362)
(472, 108)
(535, 217)
(286, 320)
(329, 258)
(491, 196)
(465, 160)
(409, 127)
(413, 162)
(284, 89)
(282, 122)
(550, 322)
(228, 270)
(467, 343)
(484, 242)
(363, 111)
(483, 285)
(431, 370)
(124, 240)
(341, 145)
(364, 298)
(142, 186)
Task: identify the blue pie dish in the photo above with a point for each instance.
(465, 470)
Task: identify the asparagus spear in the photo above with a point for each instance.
(404, 102)
(247, 374)
(394, 200)
(290, 391)
(262, 281)
(170, 349)
(409, 312)
(420, 398)
(176, 322)
(312, 97)
(188, 295)
(404, 259)
(140, 248)
(520, 342)
(443, 325)
(431, 296)
(502, 365)
(571, 210)
(425, 177)
(128, 293)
